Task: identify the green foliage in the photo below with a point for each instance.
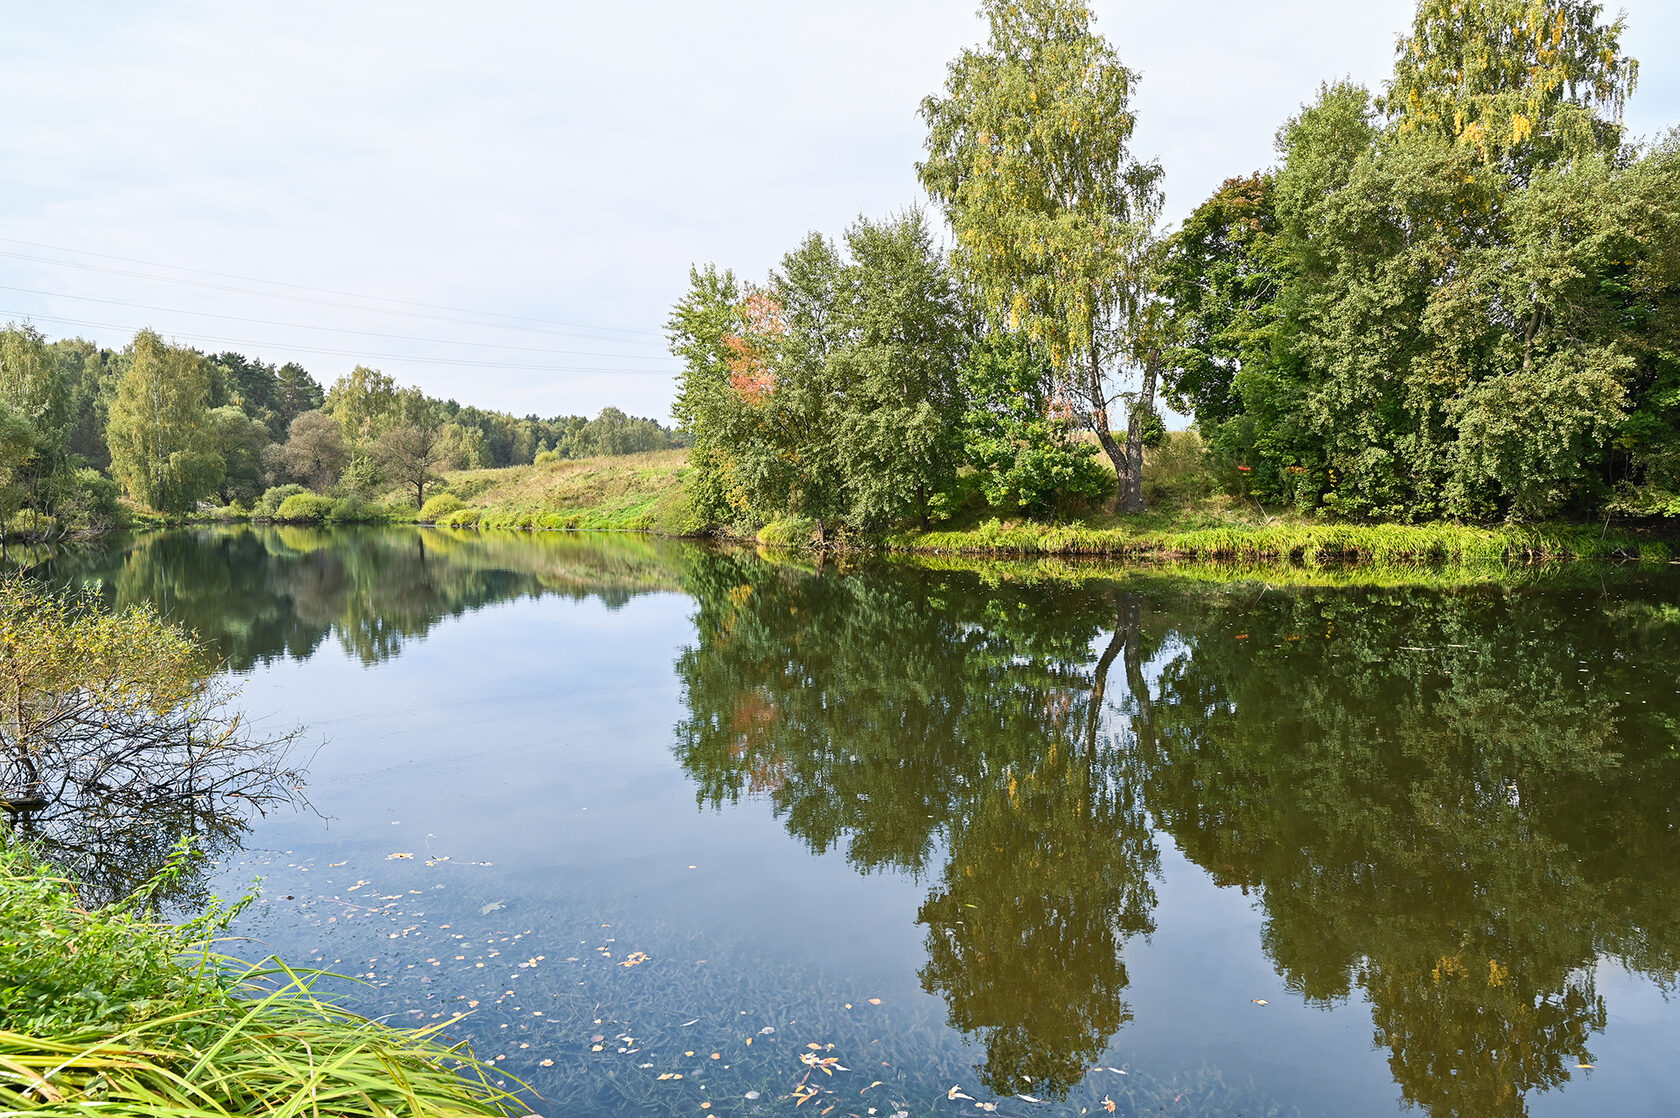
(832, 392)
(162, 450)
(109, 1009)
(459, 518)
(308, 508)
(440, 506)
(351, 510)
(268, 505)
(1028, 151)
(1456, 301)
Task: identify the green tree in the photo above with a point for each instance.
(409, 455)
(1021, 447)
(1523, 84)
(366, 403)
(295, 392)
(237, 441)
(899, 425)
(161, 448)
(314, 451)
(1029, 153)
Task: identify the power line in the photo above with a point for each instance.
(326, 290)
(330, 329)
(317, 302)
(357, 354)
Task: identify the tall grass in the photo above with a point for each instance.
(111, 1011)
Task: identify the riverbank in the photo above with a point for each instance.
(111, 1009)
(645, 493)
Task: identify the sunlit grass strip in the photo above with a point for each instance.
(277, 1051)
(1308, 544)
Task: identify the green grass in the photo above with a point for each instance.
(630, 492)
(111, 1011)
(1301, 542)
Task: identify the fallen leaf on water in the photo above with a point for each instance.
(634, 959)
(956, 1093)
(666, 1075)
(877, 1083)
(752, 1094)
(392, 857)
(1586, 1065)
(705, 1106)
(767, 1030)
(1029, 1098)
(1261, 1001)
(486, 910)
(874, 1001)
(686, 1024)
(1108, 1104)
(814, 1047)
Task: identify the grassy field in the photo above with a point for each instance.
(634, 492)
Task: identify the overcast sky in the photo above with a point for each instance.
(499, 201)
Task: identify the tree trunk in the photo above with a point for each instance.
(1100, 426)
(1131, 485)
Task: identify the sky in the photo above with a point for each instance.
(499, 202)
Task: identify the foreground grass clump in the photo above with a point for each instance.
(110, 1011)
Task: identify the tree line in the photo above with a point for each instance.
(1457, 297)
(174, 429)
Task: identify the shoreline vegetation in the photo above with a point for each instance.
(111, 1008)
(1190, 524)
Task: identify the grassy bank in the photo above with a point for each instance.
(111, 1011)
(630, 492)
(645, 493)
(1306, 542)
(1189, 522)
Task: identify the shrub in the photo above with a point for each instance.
(439, 507)
(305, 508)
(269, 503)
(354, 510)
(460, 518)
(545, 458)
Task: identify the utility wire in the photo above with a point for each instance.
(333, 329)
(317, 302)
(325, 290)
(358, 354)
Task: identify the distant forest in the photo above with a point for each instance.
(174, 429)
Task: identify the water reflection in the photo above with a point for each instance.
(1455, 802)
(256, 594)
(1450, 805)
(918, 724)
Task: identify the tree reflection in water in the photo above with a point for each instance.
(1434, 805)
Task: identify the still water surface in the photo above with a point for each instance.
(696, 832)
